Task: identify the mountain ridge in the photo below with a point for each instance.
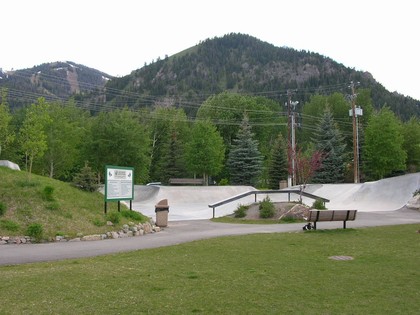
(235, 62)
(58, 80)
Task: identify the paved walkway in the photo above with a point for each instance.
(181, 232)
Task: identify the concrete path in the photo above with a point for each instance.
(184, 231)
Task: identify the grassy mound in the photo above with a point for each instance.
(58, 207)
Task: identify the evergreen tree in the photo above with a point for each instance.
(175, 163)
(329, 141)
(169, 131)
(277, 169)
(245, 161)
(384, 153)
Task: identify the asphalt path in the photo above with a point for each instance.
(179, 232)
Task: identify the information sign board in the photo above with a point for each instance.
(119, 183)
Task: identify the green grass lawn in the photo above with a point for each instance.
(70, 211)
(284, 273)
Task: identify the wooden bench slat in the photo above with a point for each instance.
(331, 215)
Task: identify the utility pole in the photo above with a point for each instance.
(354, 113)
(291, 139)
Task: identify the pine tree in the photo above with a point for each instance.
(277, 169)
(329, 141)
(245, 161)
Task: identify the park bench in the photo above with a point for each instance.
(186, 181)
(329, 215)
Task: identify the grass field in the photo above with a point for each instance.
(69, 210)
(284, 273)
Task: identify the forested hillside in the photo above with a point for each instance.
(244, 64)
(53, 81)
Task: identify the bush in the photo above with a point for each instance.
(2, 209)
(47, 193)
(114, 217)
(98, 222)
(35, 230)
(129, 214)
(9, 225)
(240, 212)
(319, 205)
(288, 219)
(267, 209)
(224, 182)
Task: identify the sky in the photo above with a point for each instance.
(117, 37)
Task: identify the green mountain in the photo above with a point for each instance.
(244, 64)
(234, 62)
(56, 80)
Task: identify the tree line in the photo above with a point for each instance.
(233, 139)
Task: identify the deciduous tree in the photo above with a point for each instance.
(32, 135)
(383, 151)
(411, 133)
(205, 150)
(6, 134)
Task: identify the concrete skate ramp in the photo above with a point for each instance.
(188, 202)
(191, 202)
(383, 195)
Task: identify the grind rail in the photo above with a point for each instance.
(266, 192)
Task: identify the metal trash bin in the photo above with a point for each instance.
(162, 209)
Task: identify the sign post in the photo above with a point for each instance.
(119, 184)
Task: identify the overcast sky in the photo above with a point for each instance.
(119, 36)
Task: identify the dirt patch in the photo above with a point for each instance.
(282, 210)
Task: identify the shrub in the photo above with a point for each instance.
(9, 225)
(47, 193)
(114, 217)
(98, 222)
(240, 212)
(2, 209)
(224, 182)
(129, 214)
(319, 204)
(288, 219)
(267, 209)
(35, 230)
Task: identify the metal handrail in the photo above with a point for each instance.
(259, 192)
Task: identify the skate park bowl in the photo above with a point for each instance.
(192, 202)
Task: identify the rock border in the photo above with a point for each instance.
(128, 230)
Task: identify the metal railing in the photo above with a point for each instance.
(267, 192)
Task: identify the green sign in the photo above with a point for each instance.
(119, 183)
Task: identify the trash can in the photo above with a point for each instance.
(283, 184)
(162, 209)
